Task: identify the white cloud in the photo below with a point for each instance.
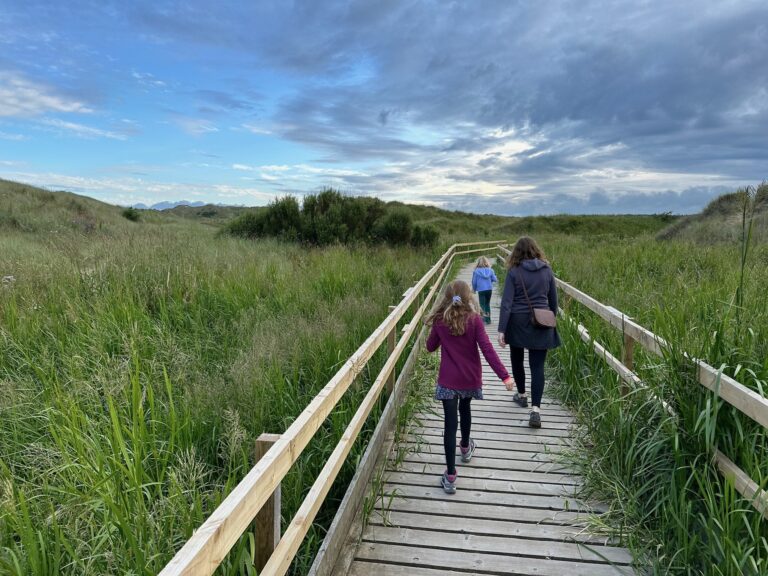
(82, 131)
(22, 97)
(14, 137)
(195, 126)
(256, 129)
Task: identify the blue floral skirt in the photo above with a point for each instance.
(449, 394)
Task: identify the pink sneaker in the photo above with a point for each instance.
(466, 453)
(448, 482)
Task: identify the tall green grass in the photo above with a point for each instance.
(137, 368)
(668, 501)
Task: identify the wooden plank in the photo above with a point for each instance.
(517, 446)
(736, 394)
(375, 569)
(743, 483)
(469, 525)
(483, 563)
(508, 545)
(479, 498)
(513, 431)
(479, 421)
(434, 445)
(515, 434)
(267, 522)
(490, 473)
(445, 507)
(485, 484)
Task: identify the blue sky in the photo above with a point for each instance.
(488, 106)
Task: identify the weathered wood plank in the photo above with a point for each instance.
(417, 493)
(510, 545)
(484, 563)
(486, 484)
(469, 525)
(491, 474)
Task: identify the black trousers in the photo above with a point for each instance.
(536, 360)
(451, 424)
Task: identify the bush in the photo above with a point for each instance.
(131, 214)
(396, 228)
(425, 236)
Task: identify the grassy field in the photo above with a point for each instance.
(674, 507)
(139, 360)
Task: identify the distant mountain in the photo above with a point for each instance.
(165, 205)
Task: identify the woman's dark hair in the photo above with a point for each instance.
(525, 249)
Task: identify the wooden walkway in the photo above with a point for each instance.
(513, 512)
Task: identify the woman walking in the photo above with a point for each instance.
(530, 285)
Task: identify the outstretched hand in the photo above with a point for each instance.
(509, 384)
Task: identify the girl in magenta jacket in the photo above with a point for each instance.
(458, 328)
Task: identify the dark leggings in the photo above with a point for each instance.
(485, 304)
(536, 363)
(451, 423)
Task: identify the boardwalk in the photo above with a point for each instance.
(513, 513)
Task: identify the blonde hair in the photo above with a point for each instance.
(454, 308)
(483, 262)
(525, 249)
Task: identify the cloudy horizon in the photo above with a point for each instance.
(493, 106)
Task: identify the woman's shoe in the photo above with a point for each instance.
(521, 401)
(534, 420)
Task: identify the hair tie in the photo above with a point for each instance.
(457, 300)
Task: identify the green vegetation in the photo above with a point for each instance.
(139, 360)
(706, 300)
(333, 218)
(721, 220)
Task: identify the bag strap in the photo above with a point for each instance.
(526, 294)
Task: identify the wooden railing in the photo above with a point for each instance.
(210, 544)
(735, 393)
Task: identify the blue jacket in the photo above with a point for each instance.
(540, 284)
(483, 279)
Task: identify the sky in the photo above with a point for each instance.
(505, 107)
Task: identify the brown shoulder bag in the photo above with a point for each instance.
(540, 317)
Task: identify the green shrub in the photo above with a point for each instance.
(395, 228)
(426, 236)
(131, 214)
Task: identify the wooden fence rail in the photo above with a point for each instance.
(735, 393)
(210, 544)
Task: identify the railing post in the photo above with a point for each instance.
(628, 358)
(266, 525)
(391, 343)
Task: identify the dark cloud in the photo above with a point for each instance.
(610, 98)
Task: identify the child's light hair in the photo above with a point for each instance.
(483, 262)
(455, 307)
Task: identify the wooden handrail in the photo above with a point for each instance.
(747, 401)
(209, 545)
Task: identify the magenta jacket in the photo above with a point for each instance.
(460, 367)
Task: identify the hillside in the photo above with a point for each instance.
(721, 220)
(30, 209)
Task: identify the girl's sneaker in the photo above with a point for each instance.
(448, 482)
(466, 453)
(534, 420)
